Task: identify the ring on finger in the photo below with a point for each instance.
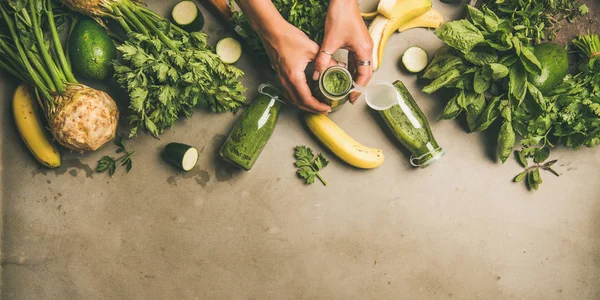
(326, 52)
(363, 63)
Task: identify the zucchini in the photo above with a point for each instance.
(229, 50)
(188, 16)
(181, 155)
(415, 59)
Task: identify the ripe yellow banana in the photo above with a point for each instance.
(431, 19)
(29, 124)
(341, 144)
(393, 15)
(369, 16)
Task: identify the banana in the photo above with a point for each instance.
(431, 19)
(341, 144)
(376, 31)
(29, 124)
(394, 13)
(369, 16)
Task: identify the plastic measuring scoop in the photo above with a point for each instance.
(379, 95)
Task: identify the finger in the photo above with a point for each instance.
(363, 73)
(324, 57)
(305, 96)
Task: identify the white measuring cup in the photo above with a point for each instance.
(379, 95)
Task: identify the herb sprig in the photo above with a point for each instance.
(531, 175)
(309, 165)
(109, 163)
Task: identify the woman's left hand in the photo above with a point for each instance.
(345, 29)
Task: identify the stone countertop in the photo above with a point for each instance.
(459, 229)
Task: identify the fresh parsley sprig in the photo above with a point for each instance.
(109, 163)
(309, 165)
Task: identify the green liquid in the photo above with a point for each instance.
(336, 82)
(410, 127)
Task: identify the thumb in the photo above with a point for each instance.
(324, 58)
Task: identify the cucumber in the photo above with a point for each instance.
(229, 50)
(415, 59)
(91, 51)
(188, 16)
(181, 155)
(555, 65)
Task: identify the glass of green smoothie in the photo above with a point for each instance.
(334, 87)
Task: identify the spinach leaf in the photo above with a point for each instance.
(460, 35)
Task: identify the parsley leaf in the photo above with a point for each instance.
(308, 165)
(109, 163)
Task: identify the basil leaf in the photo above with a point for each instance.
(474, 110)
(494, 71)
(536, 95)
(530, 62)
(480, 84)
(460, 35)
(482, 56)
(506, 141)
(520, 177)
(442, 81)
(451, 110)
(518, 82)
(488, 116)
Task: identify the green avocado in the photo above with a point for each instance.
(555, 65)
(91, 51)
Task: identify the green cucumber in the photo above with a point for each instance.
(555, 65)
(91, 51)
(188, 16)
(181, 155)
(229, 50)
(415, 59)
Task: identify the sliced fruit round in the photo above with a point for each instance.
(187, 15)
(415, 59)
(229, 50)
(181, 155)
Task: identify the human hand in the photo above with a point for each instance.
(290, 51)
(345, 29)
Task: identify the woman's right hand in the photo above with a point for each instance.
(290, 51)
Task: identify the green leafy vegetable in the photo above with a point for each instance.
(308, 165)
(538, 20)
(109, 163)
(166, 70)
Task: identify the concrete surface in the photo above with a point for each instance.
(457, 230)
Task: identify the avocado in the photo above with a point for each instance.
(555, 65)
(91, 51)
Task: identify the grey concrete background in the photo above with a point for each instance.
(457, 230)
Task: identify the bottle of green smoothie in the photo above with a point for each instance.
(254, 129)
(404, 118)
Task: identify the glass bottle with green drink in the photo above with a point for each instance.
(252, 132)
(334, 86)
(405, 119)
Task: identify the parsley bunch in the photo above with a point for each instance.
(306, 15)
(308, 165)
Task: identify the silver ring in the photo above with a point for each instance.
(328, 53)
(363, 63)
